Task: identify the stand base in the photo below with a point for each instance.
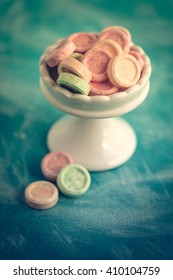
(98, 144)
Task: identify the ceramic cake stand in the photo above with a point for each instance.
(89, 132)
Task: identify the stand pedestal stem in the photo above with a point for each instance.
(98, 144)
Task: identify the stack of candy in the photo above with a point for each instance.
(96, 64)
(63, 175)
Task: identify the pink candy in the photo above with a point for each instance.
(83, 41)
(65, 49)
(96, 60)
(53, 162)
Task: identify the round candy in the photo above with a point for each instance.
(52, 163)
(121, 28)
(139, 58)
(74, 83)
(123, 71)
(117, 36)
(105, 88)
(83, 40)
(77, 55)
(96, 60)
(41, 195)
(110, 46)
(73, 180)
(65, 49)
(74, 66)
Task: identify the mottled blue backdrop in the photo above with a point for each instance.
(128, 211)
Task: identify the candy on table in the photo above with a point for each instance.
(73, 180)
(87, 67)
(52, 163)
(105, 88)
(96, 60)
(41, 195)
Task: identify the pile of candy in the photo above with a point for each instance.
(71, 179)
(96, 64)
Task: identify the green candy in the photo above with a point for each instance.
(73, 180)
(73, 82)
(77, 55)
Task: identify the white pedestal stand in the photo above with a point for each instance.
(98, 144)
(92, 134)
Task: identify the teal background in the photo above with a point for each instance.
(128, 211)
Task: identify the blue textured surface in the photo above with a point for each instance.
(128, 211)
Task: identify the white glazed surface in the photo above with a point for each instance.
(95, 106)
(98, 144)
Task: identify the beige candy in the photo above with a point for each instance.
(72, 65)
(41, 195)
(123, 71)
